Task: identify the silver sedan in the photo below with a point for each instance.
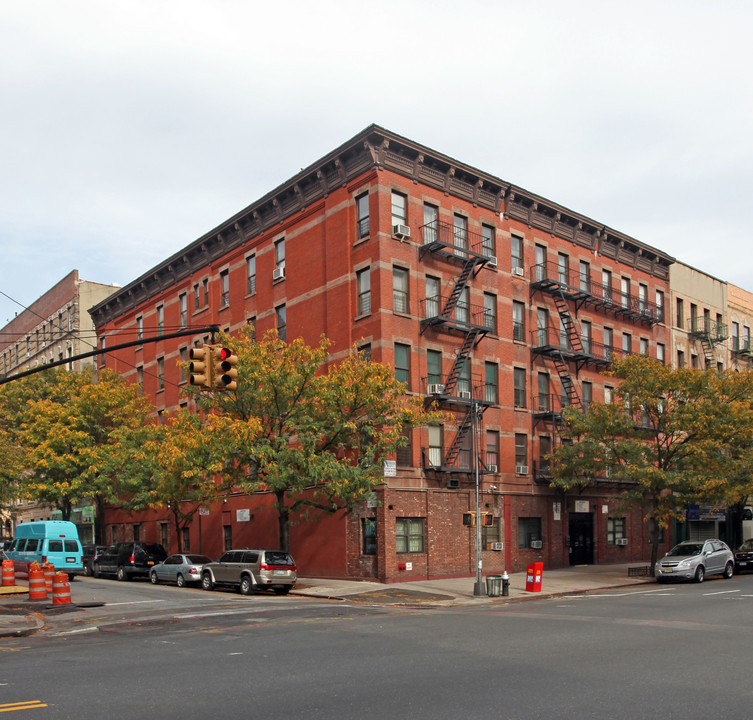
(180, 569)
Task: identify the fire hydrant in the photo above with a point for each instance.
(505, 584)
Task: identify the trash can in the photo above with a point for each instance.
(533, 577)
(493, 585)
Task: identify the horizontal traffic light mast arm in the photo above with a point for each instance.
(101, 351)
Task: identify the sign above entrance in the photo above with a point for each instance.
(581, 506)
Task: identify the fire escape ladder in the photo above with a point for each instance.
(566, 379)
(469, 342)
(708, 349)
(573, 336)
(460, 284)
(459, 441)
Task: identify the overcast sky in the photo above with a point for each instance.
(129, 129)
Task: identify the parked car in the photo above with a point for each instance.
(744, 556)
(89, 555)
(53, 541)
(695, 559)
(251, 570)
(180, 569)
(127, 560)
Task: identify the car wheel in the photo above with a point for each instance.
(246, 587)
(180, 580)
(97, 571)
(282, 590)
(153, 578)
(121, 574)
(729, 569)
(206, 582)
(700, 574)
(88, 569)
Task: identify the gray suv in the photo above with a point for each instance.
(251, 570)
(695, 559)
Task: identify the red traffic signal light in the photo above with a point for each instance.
(200, 366)
(487, 519)
(224, 368)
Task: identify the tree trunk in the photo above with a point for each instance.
(283, 521)
(99, 521)
(178, 533)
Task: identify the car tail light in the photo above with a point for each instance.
(132, 560)
(44, 559)
(193, 571)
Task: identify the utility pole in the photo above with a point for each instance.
(478, 587)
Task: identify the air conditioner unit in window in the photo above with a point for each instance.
(465, 394)
(453, 483)
(497, 546)
(521, 469)
(518, 271)
(621, 541)
(436, 388)
(491, 468)
(537, 544)
(491, 261)
(401, 231)
(278, 273)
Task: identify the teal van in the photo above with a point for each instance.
(53, 541)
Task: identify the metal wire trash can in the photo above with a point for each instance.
(493, 585)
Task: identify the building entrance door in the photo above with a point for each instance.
(581, 546)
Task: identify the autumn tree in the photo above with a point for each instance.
(71, 436)
(671, 437)
(325, 429)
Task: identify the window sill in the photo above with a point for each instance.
(361, 241)
(362, 317)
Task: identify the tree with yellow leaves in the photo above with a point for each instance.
(324, 429)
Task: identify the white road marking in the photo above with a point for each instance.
(134, 602)
(721, 592)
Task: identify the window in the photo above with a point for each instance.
(615, 529)
(542, 327)
(435, 446)
(402, 363)
(627, 342)
(529, 530)
(224, 288)
(487, 241)
(464, 376)
(625, 292)
(432, 297)
(205, 288)
(185, 538)
(660, 352)
(365, 352)
(368, 536)
(462, 309)
(608, 394)
(585, 336)
(363, 283)
(746, 338)
(139, 328)
(460, 233)
(490, 312)
(588, 394)
(399, 209)
(540, 262)
(160, 373)
(519, 380)
(281, 322)
(642, 299)
(196, 296)
(542, 385)
(183, 355)
(490, 382)
(679, 313)
(644, 346)
(521, 449)
(518, 321)
(431, 224)
(660, 306)
(490, 534)
(606, 286)
(516, 253)
(409, 535)
(563, 268)
(404, 454)
(608, 343)
(183, 309)
(545, 449)
(492, 448)
(585, 276)
(227, 537)
(160, 320)
(362, 216)
(434, 366)
(279, 253)
(680, 359)
(251, 274)
(140, 378)
(400, 290)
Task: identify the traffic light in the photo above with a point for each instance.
(469, 519)
(224, 371)
(201, 366)
(487, 520)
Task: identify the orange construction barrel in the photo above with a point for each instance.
(49, 570)
(9, 573)
(533, 577)
(37, 587)
(61, 589)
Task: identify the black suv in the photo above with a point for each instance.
(89, 554)
(129, 559)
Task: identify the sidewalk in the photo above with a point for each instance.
(19, 616)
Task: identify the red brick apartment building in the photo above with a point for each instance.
(479, 293)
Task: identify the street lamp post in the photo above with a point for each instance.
(478, 587)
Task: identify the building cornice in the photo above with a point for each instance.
(376, 147)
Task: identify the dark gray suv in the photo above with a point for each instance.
(129, 559)
(251, 570)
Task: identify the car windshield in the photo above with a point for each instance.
(747, 546)
(686, 550)
(198, 559)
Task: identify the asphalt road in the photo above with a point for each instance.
(671, 651)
